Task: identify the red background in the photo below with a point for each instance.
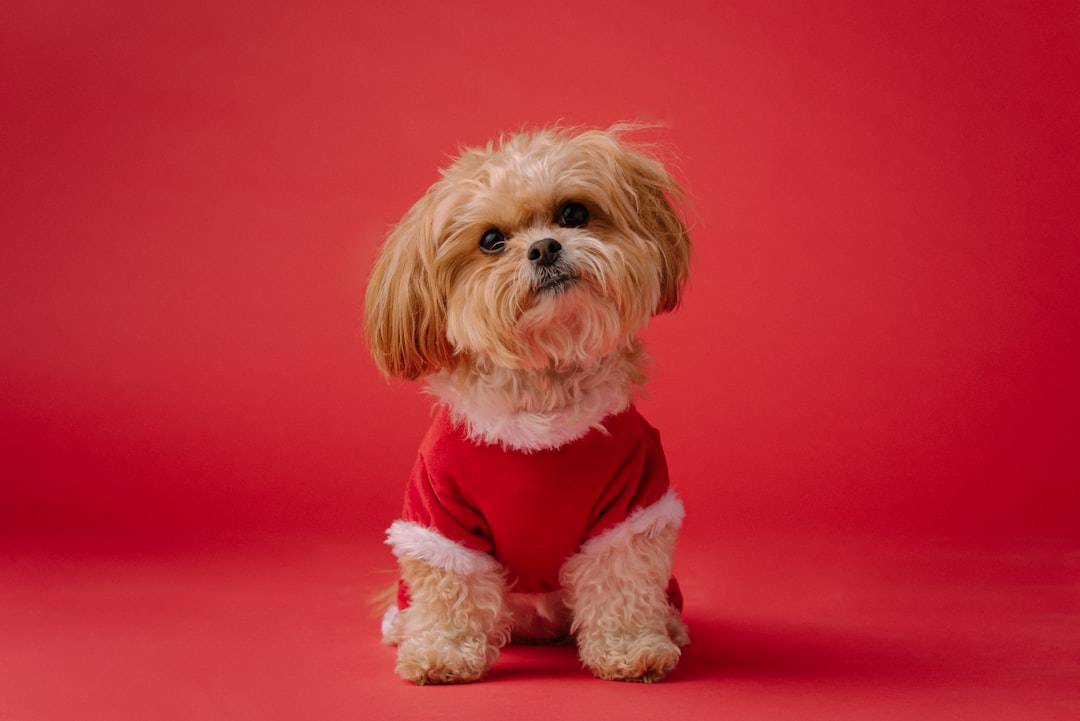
(869, 399)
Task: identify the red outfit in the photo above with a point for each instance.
(532, 511)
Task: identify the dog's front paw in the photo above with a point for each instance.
(644, 657)
(433, 658)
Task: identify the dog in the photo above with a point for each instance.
(539, 508)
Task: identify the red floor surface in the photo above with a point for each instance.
(782, 629)
(868, 399)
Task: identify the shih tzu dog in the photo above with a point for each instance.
(539, 508)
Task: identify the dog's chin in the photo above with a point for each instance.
(562, 317)
(555, 284)
(569, 324)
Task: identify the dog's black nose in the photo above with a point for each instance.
(544, 252)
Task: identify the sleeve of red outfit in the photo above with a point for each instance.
(640, 482)
(436, 503)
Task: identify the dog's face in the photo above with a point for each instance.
(549, 249)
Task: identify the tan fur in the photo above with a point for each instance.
(539, 617)
(626, 630)
(434, 302)
(531, 370)
(454, 626)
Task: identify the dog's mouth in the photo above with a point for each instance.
(554, 282)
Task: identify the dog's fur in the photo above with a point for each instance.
(532, 354)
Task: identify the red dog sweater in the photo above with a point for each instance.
(472, 506)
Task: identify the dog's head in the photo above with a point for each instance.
(547, 249)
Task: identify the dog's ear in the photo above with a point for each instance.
(659, 201)
(654, 204)
(405, 310)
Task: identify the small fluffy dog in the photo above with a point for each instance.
(539, 507)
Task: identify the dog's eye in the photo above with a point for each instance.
(572, 215)
(492, 241)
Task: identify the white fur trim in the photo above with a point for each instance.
(388, 620)
(411, 540)
(527, 431)
(667, 512)
(493, 406)
(530, 432)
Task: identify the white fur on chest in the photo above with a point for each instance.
(530, 411)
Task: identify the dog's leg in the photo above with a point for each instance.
(454, 625)
(625, 627)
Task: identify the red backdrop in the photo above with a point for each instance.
(881, 330)
(880, 337)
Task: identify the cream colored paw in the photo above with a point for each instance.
(645, 657)
(428, 659)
